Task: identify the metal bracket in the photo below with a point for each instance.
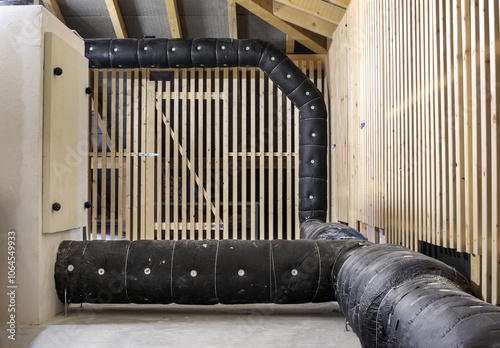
(65, 303)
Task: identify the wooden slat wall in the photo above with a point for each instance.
(414, 143)
(211, 153)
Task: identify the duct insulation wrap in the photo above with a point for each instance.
(319, 230)
(197, 272)
(395, 297)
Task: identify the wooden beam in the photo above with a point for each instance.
(232, 19)
(304, 19)
(173, 19)
(116, 18)
(290, 45)
(324, 10)
(313, 41)
(53, 7)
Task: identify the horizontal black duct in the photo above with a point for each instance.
(197, 272)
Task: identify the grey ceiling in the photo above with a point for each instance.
(198, 18)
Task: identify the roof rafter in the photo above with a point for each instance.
(304, 19)
(116, 18)
(263, 9)
(232, 19)
(290, 45)
(173, 19)
(53, 7)
(331, 11)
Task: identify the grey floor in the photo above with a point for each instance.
(306, 325)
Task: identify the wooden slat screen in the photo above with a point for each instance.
(413, 126)
(194, 154)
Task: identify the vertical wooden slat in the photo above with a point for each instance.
(175, 151)
(270, 130)
(134, 234)
(184, 144)
(279, 197)
(443, 36)
(121, 181)
(142, 149)
(208, 91)
(475, 120)
(432, 126)
(159, 160)
(217, 178)
(201, 165)
(293, 176)
(398, 121)
(236, 113)
(451, 131)
(95, 149)
(112, 149)
(244, 154)
(225, 154)
(494, 26)
(485, 148)
(104, 151)
(252, 154)
(426, 127)
(167, 97)
(406, 141)
(128, 158)
(466, 168)
(436, 124)
(149, 161)
(459, 126)
(262, 190)
(192, 150)
(392, 126)
(387, 120)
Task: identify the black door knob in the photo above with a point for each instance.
(87, 205)
(56, 207)
(58, 71)
(89, 90)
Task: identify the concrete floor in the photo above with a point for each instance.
(306, 325)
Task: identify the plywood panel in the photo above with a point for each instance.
(65, 137)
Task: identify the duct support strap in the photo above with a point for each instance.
(222, 53)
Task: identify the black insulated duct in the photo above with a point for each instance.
(196, 272)
(222, 53)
